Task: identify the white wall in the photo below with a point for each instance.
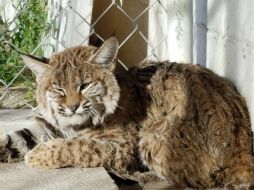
(179, 30)
(71, 29)
(8, 12)
(176, 25)
(230, 44)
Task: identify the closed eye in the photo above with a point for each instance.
(56, 88)
(60, 91)
(83, 86)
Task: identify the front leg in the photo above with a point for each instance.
(15, 145)
(112, 151)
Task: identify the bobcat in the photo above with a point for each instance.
(185, 123)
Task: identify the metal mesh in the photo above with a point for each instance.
(54, 36)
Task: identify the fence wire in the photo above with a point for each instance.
(42, 27)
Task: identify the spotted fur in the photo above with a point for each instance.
(181, 121)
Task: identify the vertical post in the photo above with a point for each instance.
(199, 31)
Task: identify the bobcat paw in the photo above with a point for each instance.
(3, 138)
(37, 157)
(246, 186)
(4, 152)
(43, 156)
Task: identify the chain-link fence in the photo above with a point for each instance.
(42, 27)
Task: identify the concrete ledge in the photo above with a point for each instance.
(11, 119)
(15, 176)
(18, 176)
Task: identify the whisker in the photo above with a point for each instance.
(120, 107)
(90, 114)
(84, 111)
(92, 111)
(96, 114)
(98, 103)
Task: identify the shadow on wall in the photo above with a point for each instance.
(116, 22)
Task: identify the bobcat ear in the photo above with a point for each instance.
(107, 52)
(37, 67)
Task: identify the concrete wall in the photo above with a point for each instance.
(230, 44)
(179, 21)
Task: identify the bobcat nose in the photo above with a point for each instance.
(74, 108)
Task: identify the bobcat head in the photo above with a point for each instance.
(77, 85)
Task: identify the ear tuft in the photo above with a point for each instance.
(37, 67)
(107, 52)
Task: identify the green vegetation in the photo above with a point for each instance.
(28, 32)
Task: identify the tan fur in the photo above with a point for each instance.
(185, 123)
